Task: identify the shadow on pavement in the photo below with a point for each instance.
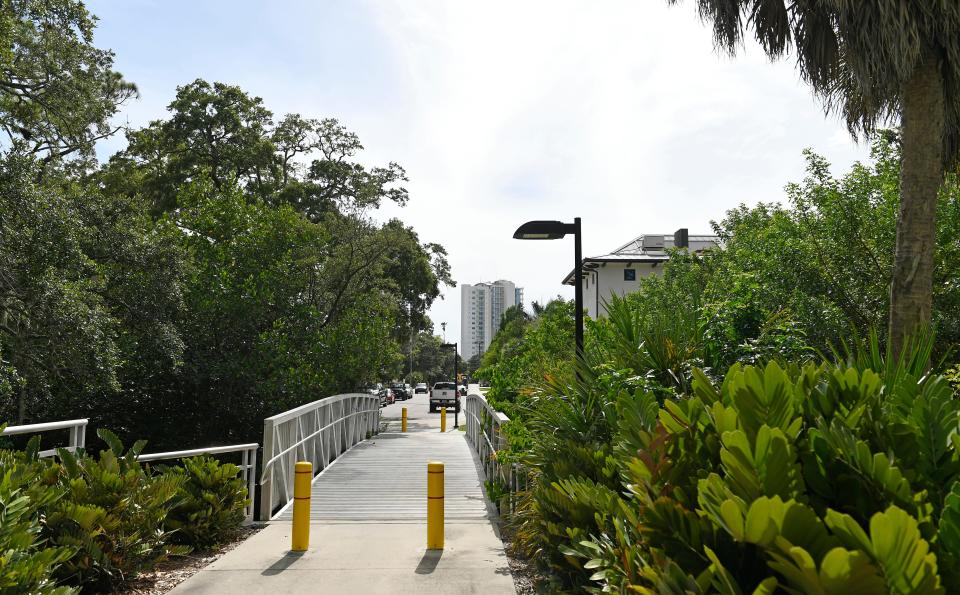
(428, 563)
(283, 563)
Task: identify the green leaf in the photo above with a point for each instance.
(904, 555)
(948, 531)
(112, 441)
(846, 572)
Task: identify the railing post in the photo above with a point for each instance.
(266, 487)
(251, 482)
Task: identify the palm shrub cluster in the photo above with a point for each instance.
(821, 478)
(210, 502)
(27, 562)
(94, 522)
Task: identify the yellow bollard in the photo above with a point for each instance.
(443, 419)
(403, 420)
(434, 505)
(301, 507)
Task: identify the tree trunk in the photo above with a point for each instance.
(921, 174)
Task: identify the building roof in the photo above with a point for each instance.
(640, 251)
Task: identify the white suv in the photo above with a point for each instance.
(444, 394)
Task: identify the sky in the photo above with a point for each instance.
(618, 112)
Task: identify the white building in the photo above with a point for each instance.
(481, 309)
(620, 271)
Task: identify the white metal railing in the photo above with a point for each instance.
(317, 432)
(248, 465)
(483, 432)
(77, 428)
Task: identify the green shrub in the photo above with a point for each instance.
(27, 564)
(96, 522)
(112, 514)
(210, 502)
(820, 479)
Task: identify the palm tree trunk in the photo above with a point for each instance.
(921, 174)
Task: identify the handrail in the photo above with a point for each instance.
(317, 432)
(268, 464)
(77, 427)
(248, 465)
(183, 454)
(484, 421)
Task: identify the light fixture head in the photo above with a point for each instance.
(541, 230)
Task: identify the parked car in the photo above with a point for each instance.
(400, 391)
(421, 389)
(444, 394)
(388, 396)
(371, 390)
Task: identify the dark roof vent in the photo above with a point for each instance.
(681, 238)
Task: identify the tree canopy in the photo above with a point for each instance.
(57, 90)
(220, 268)
(875, 63)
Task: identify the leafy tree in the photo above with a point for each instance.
(872, 62)
(416, 271)
(530, 351)
(57, 91)
(512, 326)
(220, 132)
(823, 259)
(432, 362)
(90, 298)
(56, 331)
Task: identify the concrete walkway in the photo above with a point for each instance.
(368, 525)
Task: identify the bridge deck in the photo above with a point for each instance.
(368, 525)
(385, 478)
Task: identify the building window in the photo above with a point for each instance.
(629, 274)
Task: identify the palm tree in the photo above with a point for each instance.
(874, 61)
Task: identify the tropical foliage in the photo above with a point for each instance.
(95, 522)
(737, 426)
(210, 503)
(817, 479)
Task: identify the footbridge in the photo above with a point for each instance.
(369, 501)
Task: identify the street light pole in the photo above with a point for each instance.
(554, 230)
(578, 294)
(456, 393)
